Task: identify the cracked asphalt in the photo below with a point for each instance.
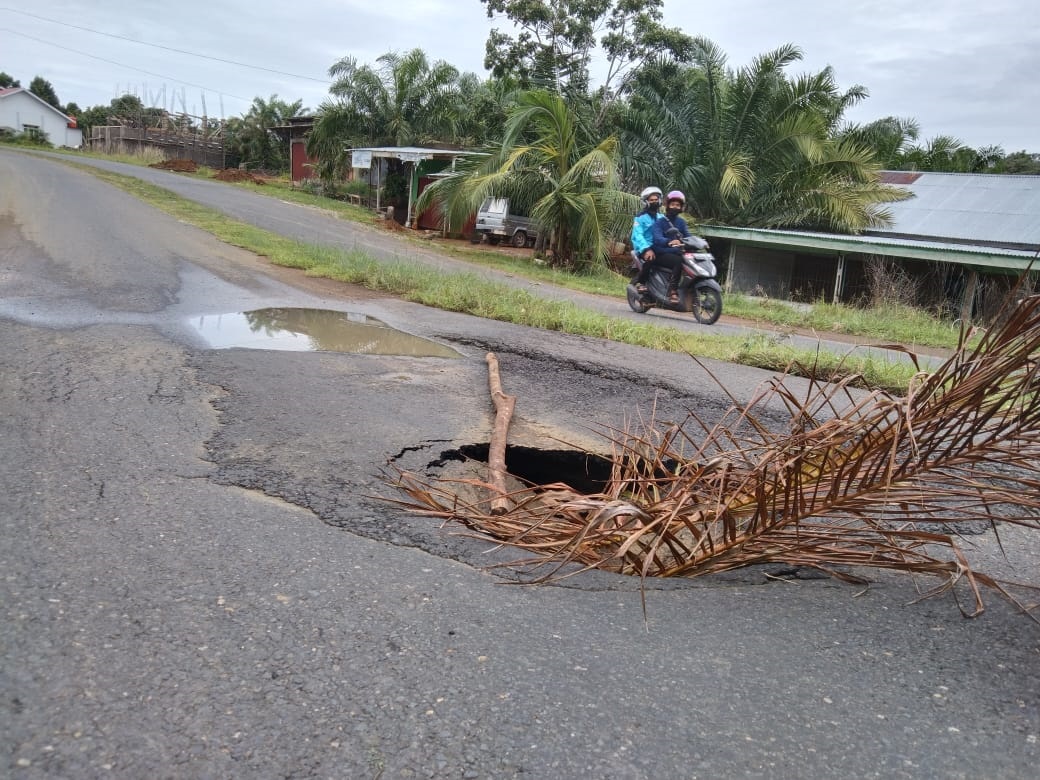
(200, 581)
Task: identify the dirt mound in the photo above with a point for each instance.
(237, 174)
(184, 166)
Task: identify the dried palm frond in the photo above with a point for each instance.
(860, 480)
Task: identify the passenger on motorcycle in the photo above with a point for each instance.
(668, 247)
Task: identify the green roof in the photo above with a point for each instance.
(835, 244)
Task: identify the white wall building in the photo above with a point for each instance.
(22, 112)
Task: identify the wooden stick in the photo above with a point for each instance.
(504, 405)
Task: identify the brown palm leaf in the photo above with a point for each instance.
(859, 480)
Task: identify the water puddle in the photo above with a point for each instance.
(312, 330)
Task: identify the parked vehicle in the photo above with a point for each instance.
(698, 290)
(497, 222)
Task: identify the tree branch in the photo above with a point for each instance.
(504, 405)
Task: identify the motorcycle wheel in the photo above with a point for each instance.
(636, 302)
(707, 306)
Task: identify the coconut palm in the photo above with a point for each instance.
(550, 165)
(755, 148)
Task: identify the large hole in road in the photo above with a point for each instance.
(586, 473)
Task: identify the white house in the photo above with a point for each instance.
(22, 112)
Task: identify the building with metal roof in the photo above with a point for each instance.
(420, 162)
(958, 233)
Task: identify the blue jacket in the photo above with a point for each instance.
(643, 230)
(661, 238)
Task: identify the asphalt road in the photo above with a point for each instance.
(198, 581)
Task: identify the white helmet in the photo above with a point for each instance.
(650, 191)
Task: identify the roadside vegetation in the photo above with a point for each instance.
(29, 140)
(882, 323)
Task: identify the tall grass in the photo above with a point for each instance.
(890, 322)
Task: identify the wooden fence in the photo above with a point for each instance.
(202, 148)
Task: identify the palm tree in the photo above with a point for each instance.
(946, 154)
(405, 100)
(889, 137)
(478, 113)
(755, 148)
(251, 139)
(550, 165)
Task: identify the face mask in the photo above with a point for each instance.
(673, 212)
(653, 206)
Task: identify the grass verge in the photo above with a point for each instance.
(892, 323)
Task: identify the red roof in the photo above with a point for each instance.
(899, 177)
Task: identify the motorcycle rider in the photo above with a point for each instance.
(643, 233)
(667, 246)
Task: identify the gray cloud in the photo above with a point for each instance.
(959, 67)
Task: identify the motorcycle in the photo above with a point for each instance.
(698, 290)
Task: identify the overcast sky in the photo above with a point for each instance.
(966, 68)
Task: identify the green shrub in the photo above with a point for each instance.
(33, 138)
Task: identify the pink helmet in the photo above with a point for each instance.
(675, 195)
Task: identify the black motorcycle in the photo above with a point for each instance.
(698, 290)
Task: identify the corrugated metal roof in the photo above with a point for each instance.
(426, 152)
(978, 208)
(831, 243)
(362, 156)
